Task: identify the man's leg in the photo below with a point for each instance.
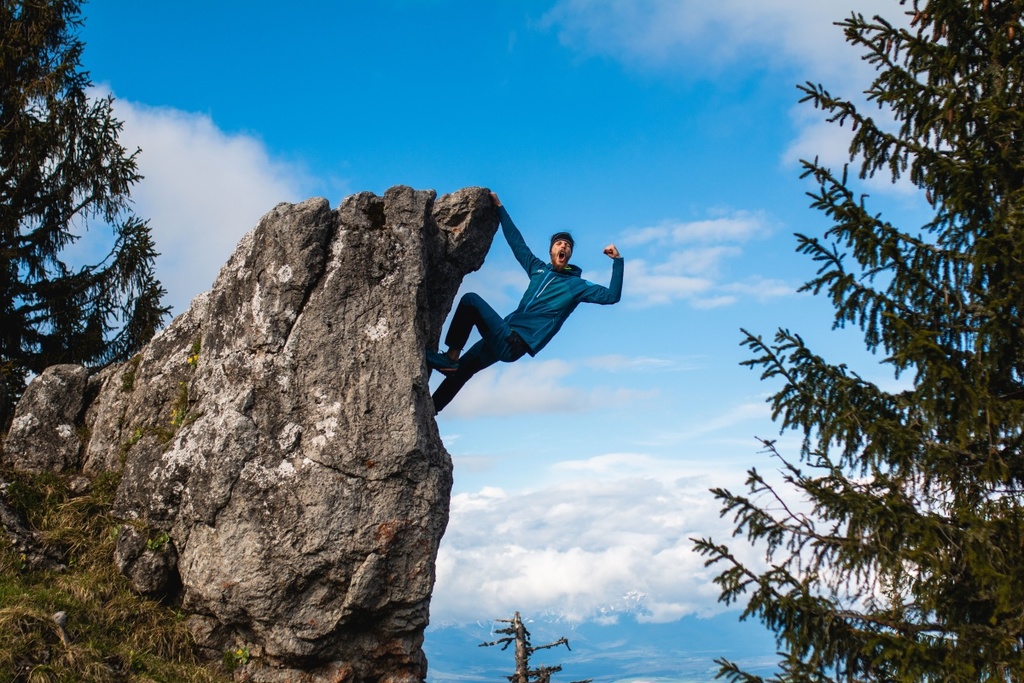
(478, 357)
(473, 311)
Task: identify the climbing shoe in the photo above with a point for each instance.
(441, 362)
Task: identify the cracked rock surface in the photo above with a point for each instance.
(281, 433)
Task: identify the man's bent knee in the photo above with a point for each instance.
(471, 299)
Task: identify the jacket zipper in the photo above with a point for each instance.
(540, 290)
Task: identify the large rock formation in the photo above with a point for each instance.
(278, 437)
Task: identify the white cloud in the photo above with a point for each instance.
(619, 363)
(700, 37)
(818, 139)
(606, 535)
(725, 226)
(533, 386)
(649, 287)
(686, 261)
(611, 466)
(738, 227)
(667, 282)
(638, 236)
(523, 387)
(761, 289)
(737, 427)
(203, 189)
(758, 411)
(704, 261)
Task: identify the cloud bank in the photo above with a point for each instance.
(605, 537)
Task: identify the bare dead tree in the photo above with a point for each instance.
(516, 633)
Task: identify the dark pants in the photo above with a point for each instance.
(498, 342)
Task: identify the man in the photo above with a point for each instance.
(555, 290)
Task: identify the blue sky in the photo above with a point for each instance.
(670, 127)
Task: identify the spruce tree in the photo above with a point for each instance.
(895, 540)
(62, 171)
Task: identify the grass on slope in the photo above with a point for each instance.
(111, 633)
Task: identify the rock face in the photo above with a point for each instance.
(279, 436)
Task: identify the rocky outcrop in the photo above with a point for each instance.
(277, 440)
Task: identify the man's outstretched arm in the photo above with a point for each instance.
(515, 240)
(598, 294)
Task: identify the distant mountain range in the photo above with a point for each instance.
(682, 651)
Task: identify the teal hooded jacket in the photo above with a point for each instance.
(552, 295)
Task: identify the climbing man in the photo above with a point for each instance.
(555, 290)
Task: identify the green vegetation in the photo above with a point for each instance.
(128, 378)
(895, 545)
(111, 633)
(179, 412)
(193, 357)
(235, 658)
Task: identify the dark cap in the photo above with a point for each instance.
(563, 236)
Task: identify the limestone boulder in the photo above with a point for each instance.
(46, 434)
(280, 433)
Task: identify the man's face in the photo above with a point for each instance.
(560, 254)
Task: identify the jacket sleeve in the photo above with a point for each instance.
(515, 240)
(596, 294)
